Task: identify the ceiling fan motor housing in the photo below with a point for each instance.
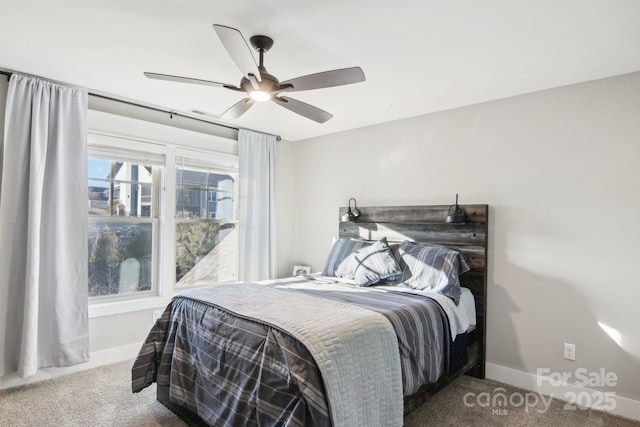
(268, 83)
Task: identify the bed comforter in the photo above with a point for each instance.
(303, 351)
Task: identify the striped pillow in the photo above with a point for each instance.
(432, 267)
(340, 250)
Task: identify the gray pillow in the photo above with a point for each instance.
(340, 250)
(432, 267)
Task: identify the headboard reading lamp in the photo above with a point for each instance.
(352, 214)
(456, 213)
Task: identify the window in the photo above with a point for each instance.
(123, 222)
(206, 224)
(162, 215)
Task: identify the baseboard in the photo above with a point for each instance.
(96, 358)
(595, 399)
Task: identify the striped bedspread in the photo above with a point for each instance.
(233, 370)
(420, 323)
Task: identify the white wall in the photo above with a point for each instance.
(559, 169)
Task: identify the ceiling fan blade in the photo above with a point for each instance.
(344, 76)
(305, 110)
(190, 80)
(238, 109)
(238, 49)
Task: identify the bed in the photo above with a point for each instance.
(323, 349)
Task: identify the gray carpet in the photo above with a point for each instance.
(102, 397)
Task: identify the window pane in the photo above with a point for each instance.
(99, 168)
(223, 182)
(205, 249)
(191, 178)
(145, 174)
(205, 253)
(204, 204)
(134, 172)
(119, 257)
(220, 205)
(204, 195)
(191, 203)
(133, 200)
(130, 192)
(99, 197)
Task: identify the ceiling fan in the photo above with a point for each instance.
(261, 86)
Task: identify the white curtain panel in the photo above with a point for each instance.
(43, 228)
(256, 216)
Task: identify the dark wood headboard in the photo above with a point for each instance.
(425, 224)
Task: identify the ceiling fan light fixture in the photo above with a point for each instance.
(260, 86)
(260, 95)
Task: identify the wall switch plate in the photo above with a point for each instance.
(156, 315)
(569, 351)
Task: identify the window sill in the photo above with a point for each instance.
(109, 308)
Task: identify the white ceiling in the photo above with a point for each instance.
(419, 56)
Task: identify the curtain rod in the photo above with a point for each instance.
(171, 113)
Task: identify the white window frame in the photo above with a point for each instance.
(123, 133)
(105, 145)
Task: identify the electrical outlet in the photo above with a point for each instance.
(569, 351)
(156, 315)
